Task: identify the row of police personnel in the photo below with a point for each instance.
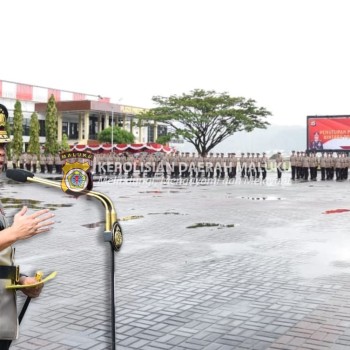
(305, 165)
(183, 164)
(30, 161)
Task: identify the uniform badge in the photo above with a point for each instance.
(4, 138)
(76, 171)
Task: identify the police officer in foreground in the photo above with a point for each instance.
(23, 227)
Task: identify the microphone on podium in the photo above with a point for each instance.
(113, 232)
(19, 175)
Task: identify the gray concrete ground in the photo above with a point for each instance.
(275, 273)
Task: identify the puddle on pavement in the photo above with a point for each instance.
(177, 188)
(54, 178)
(209, 224)
(130, 217)
(101, 223)
(94, 225)
(224, 249)
(325, 258)
(167, 213)
(153, 191)
(267, 198)
(12, 203)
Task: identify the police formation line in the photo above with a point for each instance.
(48, 163)
(303, 165)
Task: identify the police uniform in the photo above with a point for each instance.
(14, 161)
(223, 164)
(293, 164)
(42, 163)
(322, 164)
(34, 162)
(49, 162)
(8, 307)
(306, 165)
(279, 165)
(313, 167)
(337, 166)
(209, 165)
(58, 163)
(22, 160)
(28, 161)
(257, 166)
(8, 272)
(234, 165)
(263, 165)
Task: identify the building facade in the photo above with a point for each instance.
(80, 116)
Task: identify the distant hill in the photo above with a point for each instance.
(274, 138)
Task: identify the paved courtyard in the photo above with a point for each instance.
(207, 266)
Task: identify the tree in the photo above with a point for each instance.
(119, 135)
(206, 118)
(51, 144)
(17, 142)
(34, 129)
(164, 139)
(64, 144)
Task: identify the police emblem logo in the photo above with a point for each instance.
(76, 171)
(77, 178)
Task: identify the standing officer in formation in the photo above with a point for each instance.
(42, 162)
(49, 162)
(22, 160)
(298, 164)
(58, 164)
(322, 163)
(279, 165)
(304, 165)
(14, 161)
(264, 161)
(28, 161)
(34, 162)
(293, 164)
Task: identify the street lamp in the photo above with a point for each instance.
(112, 123)
(112, 130)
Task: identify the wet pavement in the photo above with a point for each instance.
(213, 266)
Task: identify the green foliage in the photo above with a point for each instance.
(64, 144)
(164, 139)
(51, 144)
(34, 129)
(119, 136)
(206, 118)
(17, 142)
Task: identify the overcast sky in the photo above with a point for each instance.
(292, 57)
